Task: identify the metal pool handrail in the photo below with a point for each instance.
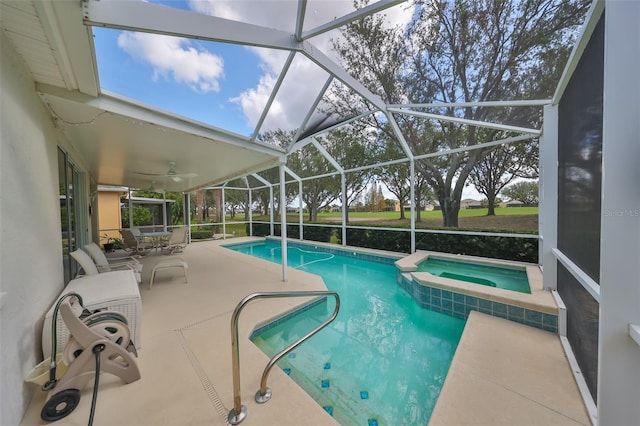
(239, 411)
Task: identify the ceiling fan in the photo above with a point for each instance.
(172, 174)
(152, 188)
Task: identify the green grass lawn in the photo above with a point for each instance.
(508, 219)
(385, 216)
(435, 214)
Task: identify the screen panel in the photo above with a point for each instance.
(583, 318)
(580, 159)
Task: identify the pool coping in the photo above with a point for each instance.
(507, 374)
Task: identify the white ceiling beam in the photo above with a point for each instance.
(504, 141)
(517, 103)
(302, 8)
(273, 94)
(324, 62)
(353, 16)
(136, 111)
(326, 155)
(152, 18)
(300, 144)
(316, 102)
(71, 42)
(303, 142)
(261, 179)
(292, 174)
(403, 142)
(477, 123)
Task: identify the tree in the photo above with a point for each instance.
(525, 192)
(319, 192)
(397, 176)
(352, 148)
(281, 138)
(500, 165)
(375, 199)
(141, 216)
(423, 194)
(237, 199)
(457, 50)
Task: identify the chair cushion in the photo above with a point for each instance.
(96, 253)
(85, 262)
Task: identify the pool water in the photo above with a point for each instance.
(382, 361)
(514, 279)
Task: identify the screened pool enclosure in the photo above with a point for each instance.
(294, 97)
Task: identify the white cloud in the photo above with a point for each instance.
(304, 78)
(175, 58)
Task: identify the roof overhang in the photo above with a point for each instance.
(126, 143)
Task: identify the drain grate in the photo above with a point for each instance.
(206, 384)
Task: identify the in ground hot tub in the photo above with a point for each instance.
(457, 284)
(508, 277)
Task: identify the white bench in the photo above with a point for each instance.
(175, 262)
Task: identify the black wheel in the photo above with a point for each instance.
(60, 405)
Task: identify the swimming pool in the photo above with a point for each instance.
(383, 360)
(513, 278)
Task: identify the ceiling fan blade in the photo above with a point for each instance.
(187, 175)
(149, 174)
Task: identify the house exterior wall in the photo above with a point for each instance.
(31, 273)
(109, 214)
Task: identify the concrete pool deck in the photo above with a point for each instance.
(185, 359)
(504, 373)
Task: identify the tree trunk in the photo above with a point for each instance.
(450, 214)
(491, 201)
(199, 206)
(313, 214)
(217, 200)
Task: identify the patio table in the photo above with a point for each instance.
(157, 238)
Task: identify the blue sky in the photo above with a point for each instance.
(139, 79)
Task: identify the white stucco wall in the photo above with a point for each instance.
(31, 273)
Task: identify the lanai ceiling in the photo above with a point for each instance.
(130, 143)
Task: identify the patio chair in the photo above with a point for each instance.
(177, 241)
(133, 243)
(104, 265)
(89, 267)
(86, 263)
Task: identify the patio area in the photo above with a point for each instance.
(502, 373)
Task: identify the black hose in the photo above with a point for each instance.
(54, 344)
(96, 350)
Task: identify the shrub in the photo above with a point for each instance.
(507, 248)
(201, 234)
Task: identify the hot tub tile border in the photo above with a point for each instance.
(459, 305)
